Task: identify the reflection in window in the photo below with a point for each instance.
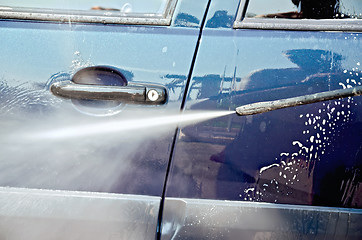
(351, 8)
(124, 6)
(310, 9)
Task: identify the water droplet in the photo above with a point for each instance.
(126, 8)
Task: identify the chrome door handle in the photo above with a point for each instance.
(131, 93)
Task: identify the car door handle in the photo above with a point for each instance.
(108, 83)
(261, 107)
(132, 93)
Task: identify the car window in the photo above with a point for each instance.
(351, 8)
(155, 6)
(260, 8)
(283, 14)
(320, 9)
(157, 12)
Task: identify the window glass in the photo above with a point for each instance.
(351, 8)
(310, 9)
(260, 8)
(125, 6)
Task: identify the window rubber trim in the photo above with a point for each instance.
(339, 25)
(107, 17)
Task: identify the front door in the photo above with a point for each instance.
(84, 86)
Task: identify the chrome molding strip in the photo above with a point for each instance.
(342, 25)
(217, 219)
(300, 24)
(107, 17)
(169, 10)
(46, 214)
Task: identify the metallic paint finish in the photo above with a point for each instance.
(269, 164)
(45, 214)
(37, 54)
(215, 219)
(306, 155)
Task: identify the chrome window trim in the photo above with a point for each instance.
(342, 25)
(107, 17)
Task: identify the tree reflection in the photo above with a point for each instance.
(186, 20)
(221, 19)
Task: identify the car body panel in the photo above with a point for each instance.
(96, 169)
(215, 219)
(61, 148)
(307, 155)
(48, 214)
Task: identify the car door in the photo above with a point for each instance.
(289, 168)
(84, 87)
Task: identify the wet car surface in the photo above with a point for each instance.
(90, 150)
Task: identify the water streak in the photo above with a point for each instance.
(117, 126)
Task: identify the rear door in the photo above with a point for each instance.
(288, 173)
(84, 86)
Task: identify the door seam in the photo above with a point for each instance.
(160, 213)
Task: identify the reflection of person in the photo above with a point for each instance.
(311, 9)
(318, 9)
(99, 8)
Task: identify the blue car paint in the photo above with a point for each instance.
(35, 55)
(267, 166)
(308, 155)
(257, 158)
(41, 53)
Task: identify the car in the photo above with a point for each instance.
(180, 119)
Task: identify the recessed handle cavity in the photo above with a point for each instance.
(261, 107)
